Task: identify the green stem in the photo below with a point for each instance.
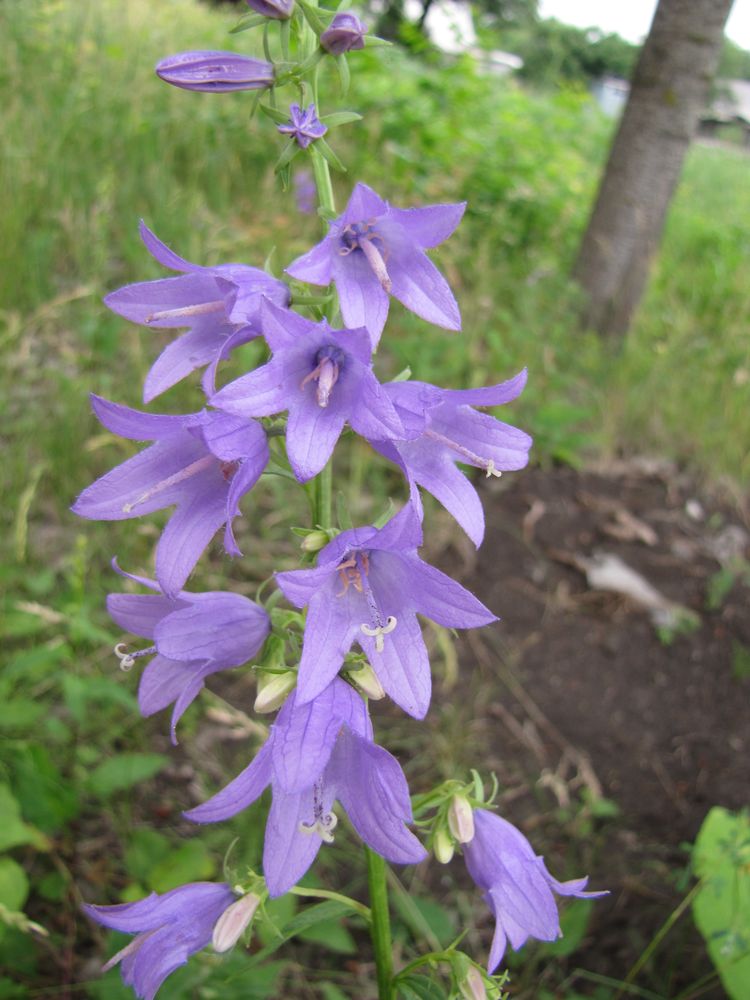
(360, 908)
(380, 929)
(323, 498)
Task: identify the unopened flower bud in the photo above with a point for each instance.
(472, 985)
(215, 72)
(461, 819)
(344, 34)
(366, 679)
(233, 921)
(443, 847)
(279, 9)
(314, 541)
(273, 690)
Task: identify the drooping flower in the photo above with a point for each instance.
(368, 587)
(215, 72)
(323, 377)
(220, 305)
(517, 886)
(304, 125)
(204, 463)
(345, 33)
(444, 429)
(169, 928)
(315, 754)
(193, 635)
(374, 251)
(278, 9)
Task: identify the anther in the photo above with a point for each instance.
(377, 632)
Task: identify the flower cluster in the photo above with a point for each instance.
(369, 583)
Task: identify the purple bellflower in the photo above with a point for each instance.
(444, 429)
(304, 125)
(374, 251)
(220, 305)
(193, 636)
(323, 377)
(278, 9)
(204, 463)
(169, 928)
(215, 72)
(315, 754)
(517, 886)
(345, 33)
(368, 586)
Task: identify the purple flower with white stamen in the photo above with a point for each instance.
(202, 463)
(304, 125)
(368, 587)
(374, 251)
(220, 306)
(344, 34)
(215, 72)
(278, 9)
(193, 636)
(453, 431)
(169, 928)
(323, 377)
(315, 754)
(517, 886)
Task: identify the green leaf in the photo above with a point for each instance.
(146, 850)
(341, 118)
(440, 920)
(275, 114)
(13, 830)
(332, 992)
(14, 885)
(307, 918)
(573, 923)
(287, 155)
(721, 907)
(246, 22)
(19, 714)
(332, 935)
(420, 988)
(328, 154)
(740, 661)
(124, 771)
(312, 16)
(191, 862)
(46, 799)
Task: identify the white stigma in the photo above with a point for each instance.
(127, 660)
(379, 631)
(491, 470)
(323, 826)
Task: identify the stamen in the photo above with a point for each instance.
(197, 310)
(326, 374)
(471, 456)
(379, 631)
(178, 477)
(127, 660)
(377, 263)
(362, 236)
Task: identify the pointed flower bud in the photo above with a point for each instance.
(461, 819)
(367, 680)
(234, 920)
(472, 985)
(273, 690)
(344, 34)
(443, 846)
(279, 9)
(314, 541)
(215, 72)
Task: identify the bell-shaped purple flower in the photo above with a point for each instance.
(278, 9)
(220, 306)
(215, 72)
(202, 463)
(192, 635)
(374, 251)
(169, 928)
(444, 429)
(368, 587)
(345, 33)
(304, 125)
(517, 886)
(318, 753)
(323, 377)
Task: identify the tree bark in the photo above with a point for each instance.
(669, 90)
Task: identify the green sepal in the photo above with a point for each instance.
(344, 75)
(287, 155)
(280, 117)
(311, 300)
(311, 62)
(372, 41)
(387, 514)
(341, 118)
(248, 21)
(328, 154)
(403, 376)
(327, 214)
(313, 17)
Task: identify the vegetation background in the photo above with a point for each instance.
(91, 141)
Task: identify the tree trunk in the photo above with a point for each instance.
(669, 90)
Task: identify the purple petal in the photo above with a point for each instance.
(364, 204)
(161, 684)
(430, 225)
(135, 425)
(283, 328)
(263, 392)
(303, 744)
(188, 532)
(490, 395)
(312, 432)
(403, 667)
(248, 786)
(241, 336)
(299, 586)
(232, 438)
(198, 347)
(223, 629)
(443, 600)
(330, 630)
(362, 300)
(418, 284)
(315, 266)
(481, 435)
(373, 415)
(499, 944)
(143, 301)
(193, 687)
(402, 533)
(288, 851)
(242, 482)
(140, 613)
(161, 252)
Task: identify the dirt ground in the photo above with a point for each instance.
(642, 699)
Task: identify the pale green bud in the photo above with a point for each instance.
(461, 819)
(366, 679)
(233, 922)
(443, 847)
(273, 690)
(472, 985)
(314, 541)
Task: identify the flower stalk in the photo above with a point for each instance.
(380, 929)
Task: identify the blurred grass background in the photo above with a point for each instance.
(91, 142)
